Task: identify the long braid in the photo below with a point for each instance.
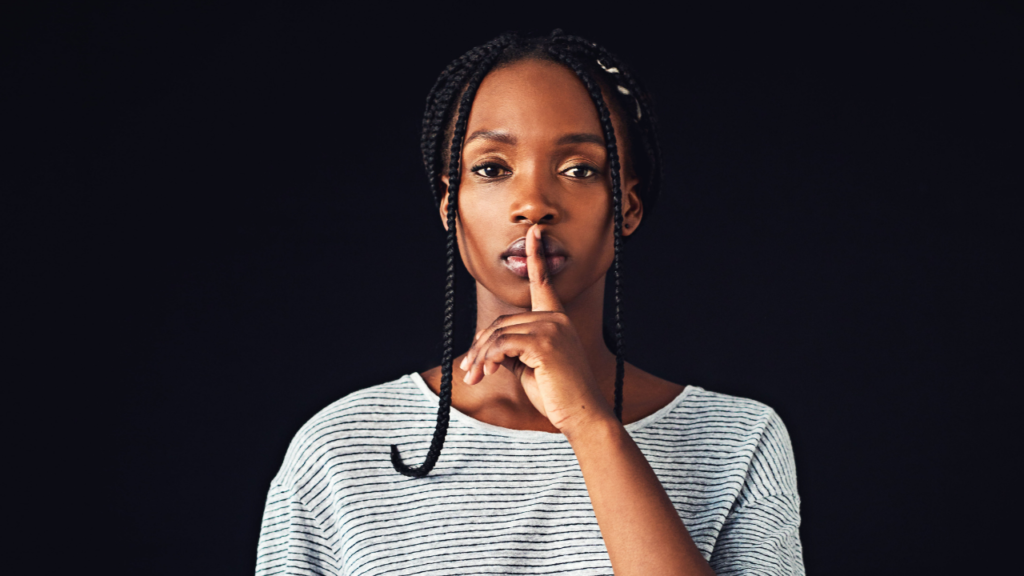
(613, 162)
(458, 84)
(644, 121)
(454, 177)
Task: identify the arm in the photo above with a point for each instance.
(640, 526)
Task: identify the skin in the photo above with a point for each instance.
(539, 361)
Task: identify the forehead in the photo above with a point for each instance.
(533, 99)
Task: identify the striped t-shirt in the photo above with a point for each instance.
(503, 501)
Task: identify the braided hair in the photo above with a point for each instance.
(444, 129)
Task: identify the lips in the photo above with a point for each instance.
(514, 257)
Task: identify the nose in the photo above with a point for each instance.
(534, 202)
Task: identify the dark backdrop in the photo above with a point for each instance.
(217, 223)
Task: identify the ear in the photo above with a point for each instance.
(444, 202)
(632, 206)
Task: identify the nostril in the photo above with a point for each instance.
(524, 219)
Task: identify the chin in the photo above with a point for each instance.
(519, 299)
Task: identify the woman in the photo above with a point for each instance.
(542, 157)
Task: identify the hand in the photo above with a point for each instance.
(542, 349)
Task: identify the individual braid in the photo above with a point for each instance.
(613, 163)
(454, 177)
(644, 122)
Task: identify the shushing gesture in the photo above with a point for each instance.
(542, 349)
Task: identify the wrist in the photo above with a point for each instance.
(593, 424)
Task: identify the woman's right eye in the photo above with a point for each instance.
(489, 170)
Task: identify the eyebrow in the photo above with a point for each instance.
(580, 138)
(506, 138)
(495, 135)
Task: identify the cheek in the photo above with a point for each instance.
(603, 240)
(479, 234)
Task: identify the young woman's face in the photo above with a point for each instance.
(534, 152)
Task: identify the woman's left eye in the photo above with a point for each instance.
(580, 172)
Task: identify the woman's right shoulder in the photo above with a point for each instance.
(360, 419)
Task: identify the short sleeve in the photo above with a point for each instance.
(292, 540)
(761, 534)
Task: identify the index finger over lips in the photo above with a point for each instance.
(542, 292)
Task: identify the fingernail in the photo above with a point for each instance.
(463, 363)
(536, 232)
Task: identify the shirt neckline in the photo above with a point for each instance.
(539, 434)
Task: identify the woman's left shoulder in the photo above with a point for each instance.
(753, 427)
(701, 400)
(693, 405)
(735, 420)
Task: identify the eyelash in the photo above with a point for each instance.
(476, 169)
(593, 171)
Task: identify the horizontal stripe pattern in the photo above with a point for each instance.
(503, 501)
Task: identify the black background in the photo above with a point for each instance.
(216, 223)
